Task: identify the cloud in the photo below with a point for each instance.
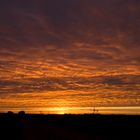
(113, 81)
(70, 83)
(51, 45)
(71, 92)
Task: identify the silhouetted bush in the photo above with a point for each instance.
(21, 112)
(10, 113)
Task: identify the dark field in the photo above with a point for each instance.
(69, 127)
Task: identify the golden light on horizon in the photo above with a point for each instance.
(60, 110)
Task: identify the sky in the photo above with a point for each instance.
(69, 53)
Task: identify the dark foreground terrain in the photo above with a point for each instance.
(69, 127)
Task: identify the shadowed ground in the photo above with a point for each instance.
(69, 127)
